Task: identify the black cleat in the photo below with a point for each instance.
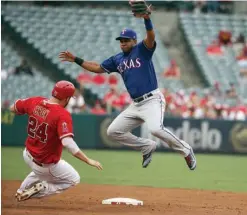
(191, 160)
(146, 159)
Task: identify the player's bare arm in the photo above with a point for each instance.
(81, 156)
(73, 148)
(88, 65)
(12, 108)
(150, 37)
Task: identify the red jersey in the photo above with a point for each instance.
(48, 124)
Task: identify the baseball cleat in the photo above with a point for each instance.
(191, 160)
(26, 194)
(146, 159)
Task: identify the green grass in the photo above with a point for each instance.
(214, 172)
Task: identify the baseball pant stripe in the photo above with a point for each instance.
(167, 131)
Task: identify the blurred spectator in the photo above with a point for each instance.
(216, 91)
(194, 99)
(225, 37)
(4, 74)
(111, 99)
(231, 93)
(238, 113)
(239, 43)
(97, 109)
(169, 100)
(240, 39)
(198, 112)
(99, 79)
(84, 77)
(168, 96)
(112, 79)
(242, 59)
(242, 63)
(210, 113)
(243, 53)
(213, 105)
(5, 105)
(23, 68)
(183, 105)
(214, 48)
(173, 71)
(198, 6)
(125, 99)
(76, 103)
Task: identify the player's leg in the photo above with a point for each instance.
(120, 128)
(154, 121)
(47, 180)
(31, 178)
(29, 181)
(28, 186)
(58, 178)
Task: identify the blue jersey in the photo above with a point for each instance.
(136, 69)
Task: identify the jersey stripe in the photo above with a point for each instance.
(65, 135)
(105, 69)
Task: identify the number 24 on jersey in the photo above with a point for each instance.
(37, 130)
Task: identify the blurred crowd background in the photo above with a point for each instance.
(201, 58)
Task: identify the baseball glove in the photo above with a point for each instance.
(140, 8)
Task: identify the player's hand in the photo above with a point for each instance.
(94, 163)
(66, 56)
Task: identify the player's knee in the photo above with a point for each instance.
(111, 132)
(77, 179)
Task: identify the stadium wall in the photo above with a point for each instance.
(206, 136)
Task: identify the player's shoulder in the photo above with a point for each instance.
(140, 44)
(32, 99)
(118, 55)
(38, 98)
(62, 112)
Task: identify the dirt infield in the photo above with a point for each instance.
(86, 199)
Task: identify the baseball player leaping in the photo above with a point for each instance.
(135, 65)
(49, 129)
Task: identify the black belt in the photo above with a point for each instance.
(38, 163)
(141, 98)
(35, 161)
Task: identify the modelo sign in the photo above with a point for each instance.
(202, 135)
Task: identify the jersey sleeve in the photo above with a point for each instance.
(65, 126)
(21, 106)
(145, 51)
(109, 65)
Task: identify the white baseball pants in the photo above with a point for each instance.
(56, 177)
(150, 111)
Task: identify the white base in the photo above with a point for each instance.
(122, 201)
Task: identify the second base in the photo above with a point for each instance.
(122, 201)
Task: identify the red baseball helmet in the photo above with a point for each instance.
(63, 90)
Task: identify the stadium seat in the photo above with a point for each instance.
(27, 85)
(90, 33)
(201, 30)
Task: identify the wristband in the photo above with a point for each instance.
(79, 61)
(148, 24)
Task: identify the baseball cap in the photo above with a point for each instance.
(128, 34)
